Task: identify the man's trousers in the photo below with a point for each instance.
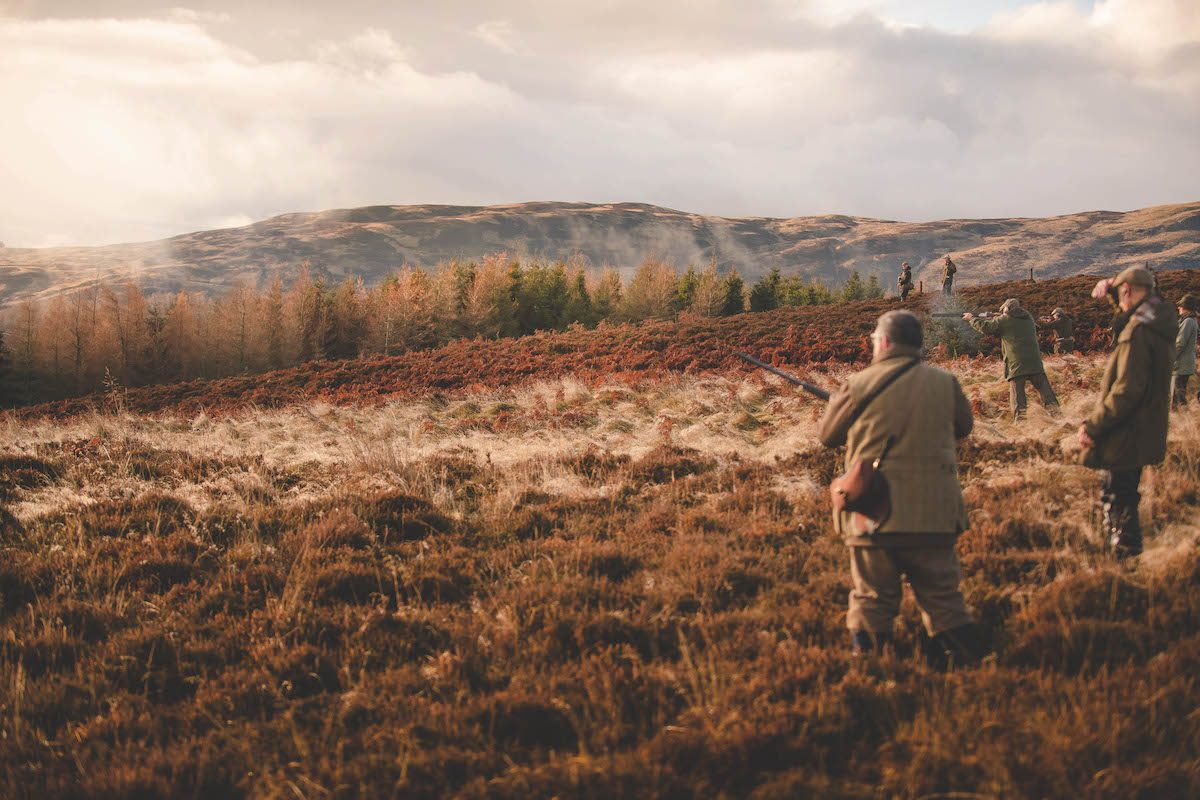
(1016, 393)
(932, 572)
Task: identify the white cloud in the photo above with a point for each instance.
(498, 33)
(192, 15)
(1150, 26)
(137, 128)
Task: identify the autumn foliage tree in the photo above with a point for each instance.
(68, 344)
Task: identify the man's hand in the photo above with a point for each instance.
(968, 316)
(1085, 441)
(1101, 288)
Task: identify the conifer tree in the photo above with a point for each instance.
(709, 298)
(155, 356)
(21, 349)
(687, 289)
(53, 337)
(819, 292)
(273, 322)
(608, 295)
(464, 276)
(443, 306)
(765, 294)
(853, 289)
(315, 321)
(7, 391)
(489, 308)
(579, 302)
(542, 298)
(873, 290)
(793, 291)
(652, 293)
(511, 325)
(735, 300)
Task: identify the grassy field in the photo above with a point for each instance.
(593, 589)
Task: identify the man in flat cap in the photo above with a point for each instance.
(1127, 428)
(915, 412)
(1063, 325)
(1185, 350)
(1022, 356)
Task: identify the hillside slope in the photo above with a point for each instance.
(803, 336)
(371, 242)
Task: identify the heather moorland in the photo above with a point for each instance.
(565, 582)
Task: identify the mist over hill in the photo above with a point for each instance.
(372, 241)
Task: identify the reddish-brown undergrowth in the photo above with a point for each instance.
(805, 335)
(648, 602)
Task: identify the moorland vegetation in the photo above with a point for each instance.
(588, 590)
(541, 580)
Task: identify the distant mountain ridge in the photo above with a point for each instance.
(372, 241)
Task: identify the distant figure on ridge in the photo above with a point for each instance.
(1127, 428)
(1185, 350)
(905, 281)
(919, 410)
(948, 271)
(1022, 356)
(1063, 325)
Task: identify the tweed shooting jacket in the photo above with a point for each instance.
(927, 410)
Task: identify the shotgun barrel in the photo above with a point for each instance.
(812, 389)
(958, 315)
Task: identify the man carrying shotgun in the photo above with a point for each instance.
(915, 412)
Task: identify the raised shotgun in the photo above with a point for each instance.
(816, 391)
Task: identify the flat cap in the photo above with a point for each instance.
(1134, 276)
(1010, 303)
(1059, 312)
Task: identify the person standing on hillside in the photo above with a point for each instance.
(919, 410)
(1127, 429)
(1185, 350)
(1063, 325)
(948, 272)
(905, 281)
(1022, 357)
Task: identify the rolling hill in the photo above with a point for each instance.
(370, 242)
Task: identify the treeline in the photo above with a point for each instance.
(113, 336)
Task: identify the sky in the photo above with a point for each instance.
(125, 120)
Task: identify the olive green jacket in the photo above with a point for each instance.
(1129, 421)
(1063, 327)
(1018, 342)
(926, 408)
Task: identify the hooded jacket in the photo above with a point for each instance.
(1018, 341)
(1129, 421)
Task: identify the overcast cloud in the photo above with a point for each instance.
(124, 121)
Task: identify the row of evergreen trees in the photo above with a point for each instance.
(80, 341)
